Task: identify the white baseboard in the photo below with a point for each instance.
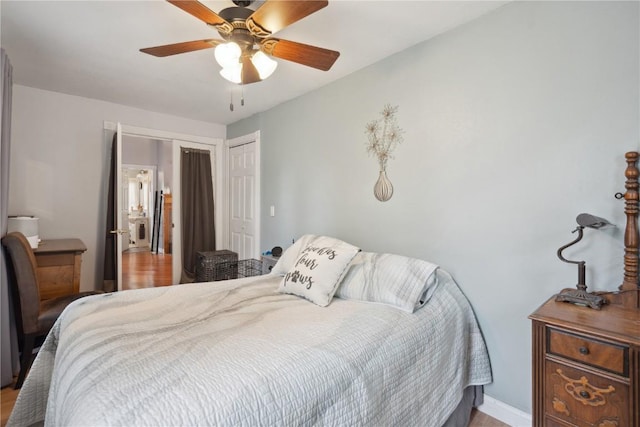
(505, 413)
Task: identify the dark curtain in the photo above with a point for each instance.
(196, 193)
(109, 272)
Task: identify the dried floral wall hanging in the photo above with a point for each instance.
(384, 135)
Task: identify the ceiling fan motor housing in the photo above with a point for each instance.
(242, 3)
(237, 17)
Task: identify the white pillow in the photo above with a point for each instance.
(290, 255)
(396, 280)
(318, 270)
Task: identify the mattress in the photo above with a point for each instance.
(239, 353)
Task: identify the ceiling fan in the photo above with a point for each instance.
(246, 46)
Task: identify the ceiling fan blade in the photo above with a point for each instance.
(204, 14)
(249, 71)
(274, 15)
(173, 49)
(311, 56)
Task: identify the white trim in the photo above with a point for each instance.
(161, 134)
(234, 142)
(505, 413)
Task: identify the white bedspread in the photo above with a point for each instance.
(238, 353)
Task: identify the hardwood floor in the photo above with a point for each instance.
(480, 419)
(143, 269)
(8, 398)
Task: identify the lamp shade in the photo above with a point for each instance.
(27, 225)
(591, 221)
(233, 73)
(227, 54)
(265, 65)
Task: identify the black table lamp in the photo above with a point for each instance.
(580, 295)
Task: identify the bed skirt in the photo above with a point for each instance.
(472, 398)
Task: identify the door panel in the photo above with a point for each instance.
(119, 206)
(242, 206)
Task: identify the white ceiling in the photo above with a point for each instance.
(90, 49)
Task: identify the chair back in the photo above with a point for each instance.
(23, 281)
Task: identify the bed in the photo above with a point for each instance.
(396, 343)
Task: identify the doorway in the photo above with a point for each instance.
(168, 182)
(147, 170)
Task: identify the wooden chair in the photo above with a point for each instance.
(34, 318)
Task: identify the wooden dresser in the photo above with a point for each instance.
(586, 365)
(59, 262)
(167, 223)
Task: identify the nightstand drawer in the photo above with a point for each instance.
(581, 398)
(603, 355)
(268, 262)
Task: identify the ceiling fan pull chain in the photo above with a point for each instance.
(242, 96)
(231, 101)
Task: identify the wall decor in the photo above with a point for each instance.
(384, 135)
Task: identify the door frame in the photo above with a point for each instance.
(175, 138)
(218, 176)
(234, 142)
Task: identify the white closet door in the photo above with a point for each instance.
(242, 201)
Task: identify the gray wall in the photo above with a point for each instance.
(59, 164)
(140, 151)
(514, 124)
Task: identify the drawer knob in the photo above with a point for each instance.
(584, 351)
(560, 406)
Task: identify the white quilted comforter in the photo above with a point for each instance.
(238, 353)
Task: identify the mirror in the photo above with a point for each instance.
(137, 194)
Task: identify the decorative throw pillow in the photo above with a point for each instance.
(396, 280)
(318, 270)
(290, 255)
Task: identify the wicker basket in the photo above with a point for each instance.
(249, 268)
(239, 269)
(214, 265)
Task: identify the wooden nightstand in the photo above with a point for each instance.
(586, 365)
(268, 262)
(59, 262)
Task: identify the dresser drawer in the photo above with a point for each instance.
(554, 422)
(580, 398)
(268, 262)
(603, 355)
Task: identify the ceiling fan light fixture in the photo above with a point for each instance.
(227, 54)
(265, 65)
(233, 73)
